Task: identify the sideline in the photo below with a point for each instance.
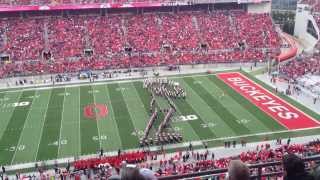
(198, 144)
(118, 77)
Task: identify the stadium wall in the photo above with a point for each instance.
(303, 16)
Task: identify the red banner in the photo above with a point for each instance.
(281, 111)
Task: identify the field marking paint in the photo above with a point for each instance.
(62, 116)
(34, 96)
(93, 91)
(208, 125)
(24, 125)
(243, 121)
(94, 100)
(188, 125)
(289, 125)
(260, 134)
(294, 107)
(64, 94)
(218, 123)
(113, 116)
(153, 148)
(8, 120)
(184, 118)
(128, 109)
(145, 109)
(44, 120)
(222, 138)
(4, 99)
(136, 92)
(79, 138)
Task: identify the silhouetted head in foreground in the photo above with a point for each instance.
(294, 168)
(238, 171)
(131, 173)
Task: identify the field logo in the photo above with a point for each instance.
(95, 111)
(280, 110)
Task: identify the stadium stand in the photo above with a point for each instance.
(264, 160)
(303, 69)
(67, 2)
(313, 3)
(57, 44)
(296, 69)
(304, 64)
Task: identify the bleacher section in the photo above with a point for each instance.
(263, 161)
(55, 44)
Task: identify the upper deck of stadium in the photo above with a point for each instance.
(69, 41)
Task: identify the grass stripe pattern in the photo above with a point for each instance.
(48, 147)
(53, 124)
(11, 136)
(90, 140)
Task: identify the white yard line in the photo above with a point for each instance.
(44, 121)
(197, 111)
(20, 138)
(154, 148)
(79, 150)
(131, 119)
(94, 100)
(178, 111)
(113, 116)
(136, 92)
(4, 97)
(2, 133)
(282, 100)
(261, 134)
(62, 118)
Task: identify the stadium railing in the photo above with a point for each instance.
(258, 166)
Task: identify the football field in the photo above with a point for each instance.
(50, 123)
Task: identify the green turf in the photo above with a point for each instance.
(246, 104)
(216, 106)
(49, 144)
(122, 116)
(70, 124)
(31, 134)
(285, 97)
(53, 124)
(90, 140)
(12, 133)
(107, 126)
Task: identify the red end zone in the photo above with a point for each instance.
(283, 112)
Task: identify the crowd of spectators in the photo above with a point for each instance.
(267, 34)
(66, 36)
(301, 66)
(223, 37)
(38, 45)
(315, 5)
(63, 2)
(156, 164)
(179, 32)
(143, 33)
(106, 34)
(23, 38)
